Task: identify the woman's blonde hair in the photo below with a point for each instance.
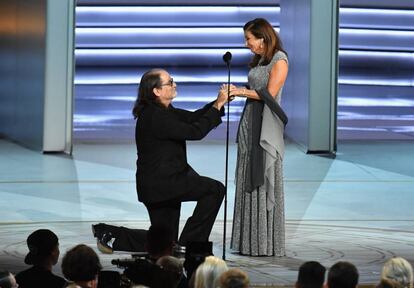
(397, 272)
(209, 272)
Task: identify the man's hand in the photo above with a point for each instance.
(222, 97)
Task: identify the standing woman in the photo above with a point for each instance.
(259, 217)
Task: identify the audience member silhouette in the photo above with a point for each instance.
(343, 275)
(81, 266)
(43, 254)
(311, 275)
(234, 278)
(175, 268)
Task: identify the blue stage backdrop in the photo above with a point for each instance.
(116, 41)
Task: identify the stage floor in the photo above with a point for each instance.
(356, 207)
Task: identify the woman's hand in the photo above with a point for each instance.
(225, 88)
(243, 92)
(237, 91)
(234, 90)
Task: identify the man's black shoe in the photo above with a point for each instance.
(98, 230)
(103, 243)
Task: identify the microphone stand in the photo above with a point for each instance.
(227, 160)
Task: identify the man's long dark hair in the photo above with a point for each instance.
(148, 82)
(262, 29)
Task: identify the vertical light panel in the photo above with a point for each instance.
(309, 30)
(323, 75)
(295, 33)
(59, 76)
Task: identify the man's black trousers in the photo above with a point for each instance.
(209, 195)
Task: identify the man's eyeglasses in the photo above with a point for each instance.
(170, 83)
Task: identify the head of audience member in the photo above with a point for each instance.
(160, 241)
(43, 247)
(174, 268)
(81, 265)
(311, 275)
(208, 273)
(397, 273)
(343, 275)
(234, 278)
(7, 280)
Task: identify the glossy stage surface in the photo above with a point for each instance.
(355, 207)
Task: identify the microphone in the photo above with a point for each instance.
(227, 57)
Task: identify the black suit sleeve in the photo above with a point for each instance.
(191, 116)
(168, 124)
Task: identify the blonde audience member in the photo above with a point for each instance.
(209, 272)
(397, 273)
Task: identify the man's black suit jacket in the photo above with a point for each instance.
(162, 170)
